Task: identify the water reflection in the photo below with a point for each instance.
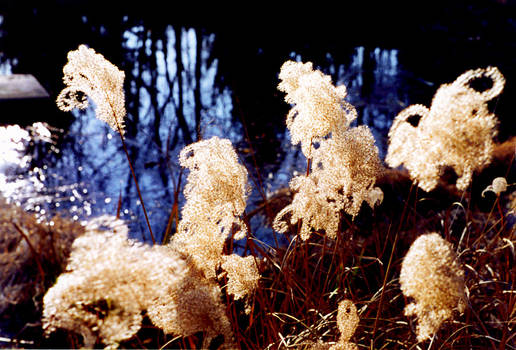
(377, 86)
(183, 84)
(6, 63)
(6, 66)
(173, 100)
(21, 182)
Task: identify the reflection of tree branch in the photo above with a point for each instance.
(174, 140)
(134, 105)
(171, 80)
(179, 110)
(153, 92)
(146, 63)
(197, 77)
(368, 81)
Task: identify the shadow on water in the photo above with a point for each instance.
(192, 77)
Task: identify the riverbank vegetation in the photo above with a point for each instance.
(416, 252)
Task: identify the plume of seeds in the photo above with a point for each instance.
(318, 106)
(111, 282)
(343, 168)
(89, 74)
(432, 276)
(457, 131)
(242, 274)
(347, 322)
(216, 193)
(498, 186)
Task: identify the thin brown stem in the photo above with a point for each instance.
(482, 326)
(120, 133)
(383, 286)
(389, 264)
(135, 182)
(32, 249)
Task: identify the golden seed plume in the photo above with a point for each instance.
(457, 131)
(89, 74)
(242, 274)
(347, 320)
(112, 281)
(345, 164)
(498, 186)
(347, 323)
(319, 107)
(432, 276)
(216, 193)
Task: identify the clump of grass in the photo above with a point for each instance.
(340, 280)
(32, 255)
(111, 282)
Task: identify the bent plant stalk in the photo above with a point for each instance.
(135, 181)
(32, 249)
(132, 170)
(379, 311)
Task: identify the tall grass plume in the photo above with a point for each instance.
(342, 169)
(457, 130)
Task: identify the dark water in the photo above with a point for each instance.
(209, 73)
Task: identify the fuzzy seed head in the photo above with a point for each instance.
(432, 276)
(347, 320)
(89, 74)
(216, 194)
(112, 281)
(318, 106)
(242, 274)
(344, 171)
(498, 186)
(456, 131)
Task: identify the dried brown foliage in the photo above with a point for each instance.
(32, 254)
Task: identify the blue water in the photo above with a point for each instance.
(185, 81)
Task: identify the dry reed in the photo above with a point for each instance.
(336, 284)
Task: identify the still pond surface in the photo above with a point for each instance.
(180, 87)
